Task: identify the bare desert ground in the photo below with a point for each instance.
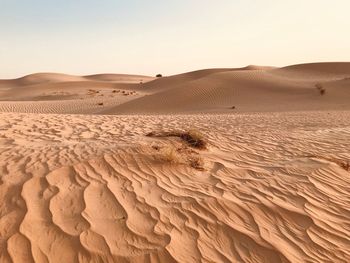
(83, 179)
(249, 89)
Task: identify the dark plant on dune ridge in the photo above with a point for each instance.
(159, 75)
(320, 88)
(346, 166)
(193, 138)
(196, 162)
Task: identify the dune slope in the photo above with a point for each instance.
(248, 89)
(316, 86)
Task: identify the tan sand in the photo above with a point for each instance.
(59, 93)
(249, 89)
(272, 187)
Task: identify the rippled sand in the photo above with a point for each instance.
(83, 188)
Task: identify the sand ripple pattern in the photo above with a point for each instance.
(79, 188)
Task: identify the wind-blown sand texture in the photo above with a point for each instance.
(273, 186)
(88, 189)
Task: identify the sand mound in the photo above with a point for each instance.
(38, 78)
(42, 78)
(82, 189)
(249, 89)
(120, 78)
(59, 93)
(337, 68)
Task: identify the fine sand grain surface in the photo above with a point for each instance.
(79, 184)
(81, 188)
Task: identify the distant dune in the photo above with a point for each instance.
(121, 78)
(248, 89)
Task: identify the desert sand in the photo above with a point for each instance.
(249, 89)
(81, 182)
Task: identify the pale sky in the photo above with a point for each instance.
(168, 36)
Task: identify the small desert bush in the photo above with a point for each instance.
(177, 155)
(345, 165)
(320, 88)
(196, 162)
(159, 75)
(342, 163)
(169, 155)
(193, 138)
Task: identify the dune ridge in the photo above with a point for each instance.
(83, 189)
(248, 89)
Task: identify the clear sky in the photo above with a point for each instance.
(168, 36)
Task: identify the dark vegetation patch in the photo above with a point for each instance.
(192, 138)
(320, 88)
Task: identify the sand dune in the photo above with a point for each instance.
(249, 89)
(60, 93)
(38, 78)
(81, 189)
(120, 78)
(79, 184)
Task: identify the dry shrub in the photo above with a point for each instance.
(178, 155)
(320, 88)
(169, 155)
(196, 162)
(345, 165)
(193, 138)
(183, 154)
